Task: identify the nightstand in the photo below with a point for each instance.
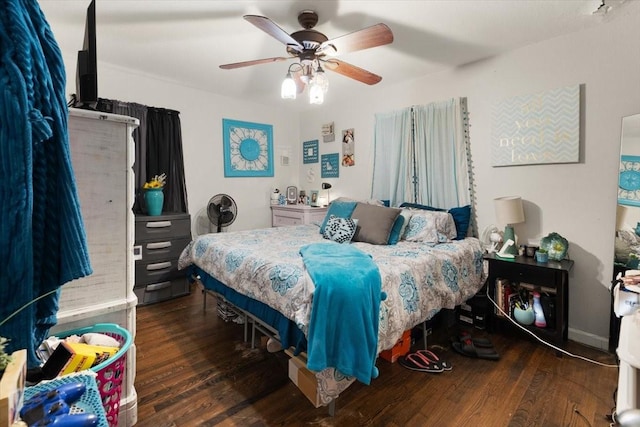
(286, 215)
(550, 278)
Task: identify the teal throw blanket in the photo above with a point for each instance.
(343, 329)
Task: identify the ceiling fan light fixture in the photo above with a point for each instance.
(316, 94)
(321, 79)
(288, 88)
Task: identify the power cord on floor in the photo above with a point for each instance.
(546, 343)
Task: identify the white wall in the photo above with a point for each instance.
(201, 117)
(576, 200)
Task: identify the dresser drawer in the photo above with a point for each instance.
(285, 220)
(158, 271)
(161, 249)
(524, 273)
(161, 291)
(164, 227)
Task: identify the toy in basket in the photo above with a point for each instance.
(110, 372)
(70, 400)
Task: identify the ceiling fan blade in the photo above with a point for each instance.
(271, 28)
(376, 35)
(254, 62)
(352, 71)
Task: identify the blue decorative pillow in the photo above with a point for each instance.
(461, 216)
(339, 230)
(339, 208)
(399, 227)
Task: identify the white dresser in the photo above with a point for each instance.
(285, 215)
(102, 154)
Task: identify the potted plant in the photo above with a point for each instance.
(542, 255)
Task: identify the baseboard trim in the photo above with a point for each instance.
(589, 339)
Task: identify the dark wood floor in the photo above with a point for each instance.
(193, 369)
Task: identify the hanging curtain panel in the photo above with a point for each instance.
(164, 155)
(422, 155)
(392, 169)
(441, 155)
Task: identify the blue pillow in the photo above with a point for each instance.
(461, 216)
(394, 236)
(340, 209)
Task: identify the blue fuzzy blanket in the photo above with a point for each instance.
(343, 329)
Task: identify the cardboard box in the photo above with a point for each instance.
(100, 352)
(401, 348)
(12, 388)
(303, 378)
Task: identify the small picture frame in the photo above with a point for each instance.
(314, 198)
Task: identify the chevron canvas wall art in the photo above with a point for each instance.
(536, 129)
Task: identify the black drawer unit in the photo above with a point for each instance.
(158, 245)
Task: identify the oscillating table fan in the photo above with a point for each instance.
(222, 211)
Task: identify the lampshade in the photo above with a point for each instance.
(316, 94)
(509, 210)
(288, 89)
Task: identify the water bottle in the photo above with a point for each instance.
(537, 310)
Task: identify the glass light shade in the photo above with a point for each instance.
(288, 89)
(322, 80)
(316, 94)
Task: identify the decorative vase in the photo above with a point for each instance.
(154, 198)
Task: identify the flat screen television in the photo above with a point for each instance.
(87, 68)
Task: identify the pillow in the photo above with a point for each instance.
(461, 216)
(399, 227)
(374, 223)
(339, 230)
(339, 208)
(431, 227)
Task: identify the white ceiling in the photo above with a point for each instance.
(186, 41)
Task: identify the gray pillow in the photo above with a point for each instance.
(374, 223)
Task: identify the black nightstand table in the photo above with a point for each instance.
(553, 275)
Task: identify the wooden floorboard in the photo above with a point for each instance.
(193, 369)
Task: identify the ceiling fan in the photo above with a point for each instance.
(313, 49)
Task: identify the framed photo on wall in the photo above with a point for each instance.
(248, 148)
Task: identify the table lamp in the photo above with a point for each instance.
(327, 186)
(509, 211)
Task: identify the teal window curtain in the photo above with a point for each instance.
(422, 155)
(392, 170)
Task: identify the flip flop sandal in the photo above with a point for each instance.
(416, 362)
(466, 348)
(477, 342)
(431, 356)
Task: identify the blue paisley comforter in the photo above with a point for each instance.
(419, 279)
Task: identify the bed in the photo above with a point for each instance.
(263, 272)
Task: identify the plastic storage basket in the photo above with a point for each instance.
(89, 403)
(110, 372)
